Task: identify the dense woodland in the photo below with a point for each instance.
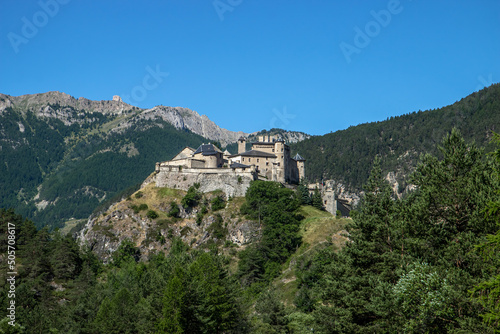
(427, 263)
(76, 168)
(346, 156)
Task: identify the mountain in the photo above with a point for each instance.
(346, 156)
(60, 105)
(61, 157)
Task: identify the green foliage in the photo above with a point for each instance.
(217, 228)
(346, 155)
(174, 210)
(424, 298)
(199, 218)
(316, 200)
(272, 312)
(487, 292)
(218, 203)
(303, 193)
(191, 198)
(127, 252)
(199, 298)
(80, 167)
(377, 282)
(274, 207)
(139, 208)
(151, 214)
(139, 194)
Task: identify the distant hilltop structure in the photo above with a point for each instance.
(268, 159)
(271, 156)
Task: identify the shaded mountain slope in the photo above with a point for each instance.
(346, 156)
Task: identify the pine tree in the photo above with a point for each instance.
(303, 193)
(316, 200)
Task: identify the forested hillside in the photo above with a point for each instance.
(63, 166)
(427, 263)
(346, 155)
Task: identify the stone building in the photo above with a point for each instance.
(268, 159)
(271, 157)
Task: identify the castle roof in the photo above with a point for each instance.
(255, 153)
(238, 165)
(207, 149)
(297, 157)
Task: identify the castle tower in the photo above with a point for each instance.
(281, 161)
(301, 165)
(242, 143)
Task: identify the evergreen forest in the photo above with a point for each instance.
(424, 263)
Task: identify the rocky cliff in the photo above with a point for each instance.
(71, 110)
(199, 226)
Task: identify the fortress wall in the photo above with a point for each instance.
(210, 179)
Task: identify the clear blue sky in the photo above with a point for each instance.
(313, 66)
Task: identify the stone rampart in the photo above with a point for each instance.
(233, 182)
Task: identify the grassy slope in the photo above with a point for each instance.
(318, 230)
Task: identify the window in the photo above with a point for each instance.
(249, 159)
(273, 149)
(267, 163)
(282, 149)
(243, 159)
(257, 159)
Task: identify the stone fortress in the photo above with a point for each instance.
(268, 159)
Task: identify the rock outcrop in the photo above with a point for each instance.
(71, 110)
(198, 226)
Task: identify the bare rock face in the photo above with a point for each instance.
(294, 136)
(5, 102)
(183, 118)
(244, 233)
(104, 233)
(70, 110)
(393, 182)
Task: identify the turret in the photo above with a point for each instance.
(242, 143)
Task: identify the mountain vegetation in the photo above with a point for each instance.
(346, 155)
(424, 263)
(56, 168)
(62, 157)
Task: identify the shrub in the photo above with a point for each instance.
(191, 199)
(160, 238)
(217, 229)
(139, 194)
(174, 210)
(199, 218)
(163, 223)
(152, 214)
(139, 208)
(218, 203)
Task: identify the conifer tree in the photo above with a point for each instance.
(316, 200)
